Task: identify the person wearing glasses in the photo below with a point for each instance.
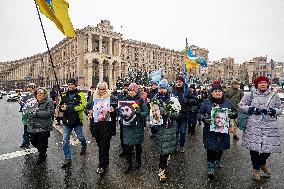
(27, 103)
(102, 129)
(72, 105)
(215, 141)
(40, 123)
(262, 133)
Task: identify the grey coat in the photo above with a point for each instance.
(262, 132)
(41, 119)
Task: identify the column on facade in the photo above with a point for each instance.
(89, 72)
(90, 43)
(100, 44)
(114, 73)
(110, 46)
(110, 79)
(101, 71)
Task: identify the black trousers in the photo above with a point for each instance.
(104, 146)
(40, 141)
(213, 156)
(129, 149)
(121, 136)
(258, 159)
(26, 135)
(163, 161)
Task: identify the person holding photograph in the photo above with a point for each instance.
(40, 123)
(215, 142)
(262, 133)
(133, 126)
(165, 133)
(101, 129)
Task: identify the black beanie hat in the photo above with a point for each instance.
(72, 80)
(181, 78)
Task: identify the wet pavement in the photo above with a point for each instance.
(186, 170)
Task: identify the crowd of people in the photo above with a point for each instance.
(170, 112)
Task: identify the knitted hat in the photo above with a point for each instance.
(133, 87)
(234, 82)
(181, 78)
(72, 80)
(215, 87)
(259, 79)
(216, 82)
(164, 84)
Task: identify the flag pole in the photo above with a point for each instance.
(49, 53)
(184, 70)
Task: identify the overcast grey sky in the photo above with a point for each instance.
(242, 29)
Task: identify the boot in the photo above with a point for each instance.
(162, 175)
(265, 169)
(83, 150)
(218, 164)
(66, 163)
(256, 174)
(211, 168)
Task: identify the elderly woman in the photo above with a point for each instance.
(165, 131)
(216, 140)
(262, 134)
(40, 123)
(102, 120)
(133, 129)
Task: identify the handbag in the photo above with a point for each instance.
(243, 117)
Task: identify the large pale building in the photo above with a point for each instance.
(95, 54)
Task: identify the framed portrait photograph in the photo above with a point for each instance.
(155, 115)
(127, 111)
(101, 109)
(220, 120)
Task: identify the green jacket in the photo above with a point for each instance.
(133, 133)
(74, 114)
(235, 96)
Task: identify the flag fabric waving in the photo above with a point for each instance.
(57, 12)
(156, 75)
(192, 61)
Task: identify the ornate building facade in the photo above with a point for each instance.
(95, 54)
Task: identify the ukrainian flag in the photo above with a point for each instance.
(57, 12)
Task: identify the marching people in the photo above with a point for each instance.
(40, 123)
(27, 102)
(178, 91)
(262, 133)
(235, 95)
(194, 101)
(72, 105)
(102, 126)
(164, 128)
(216, 136)
(133, 126)
(120, 97)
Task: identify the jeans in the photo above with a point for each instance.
(213, 156)
(26, 135)
(66, 139)
(258, 159)
(181, 132)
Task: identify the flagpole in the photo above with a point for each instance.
(49, 53)
(184, 70)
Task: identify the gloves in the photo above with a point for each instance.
(271, 112)
(33, 114)
(137, 112)
(254, 110)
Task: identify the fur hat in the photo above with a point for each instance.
(259, 79)
(164, 84)
(133, 87)
(181, 78)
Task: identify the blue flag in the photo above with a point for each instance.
(156, 75)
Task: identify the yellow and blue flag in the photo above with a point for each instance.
(192, 61)
(57, 12)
